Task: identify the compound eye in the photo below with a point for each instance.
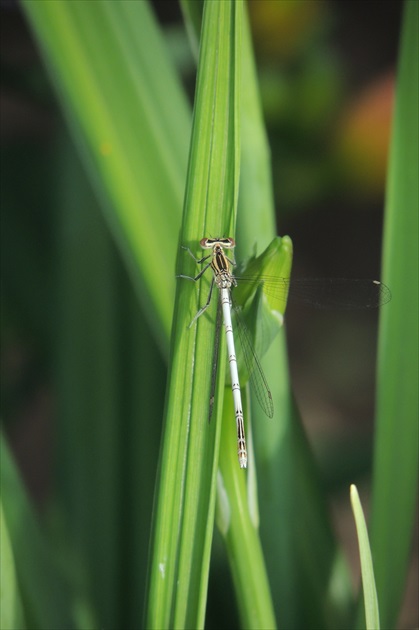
(208, 243)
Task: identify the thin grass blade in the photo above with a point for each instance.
(11, 609)
(372, 616)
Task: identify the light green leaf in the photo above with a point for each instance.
(275, 262)
(370, 594)
(240, 530)
(263, 307)
(119, 91)
(11, 612)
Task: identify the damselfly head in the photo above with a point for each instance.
(210, 243)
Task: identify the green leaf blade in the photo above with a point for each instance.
(184, 519)
(240, 529)
(372, 616)
(395, 475)
(45, 595)
(103, 58)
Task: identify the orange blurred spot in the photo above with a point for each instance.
(364, 135)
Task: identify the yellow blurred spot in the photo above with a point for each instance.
(281, 28)
(105, 148)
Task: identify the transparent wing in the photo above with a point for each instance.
(334, 293)
(257, 378)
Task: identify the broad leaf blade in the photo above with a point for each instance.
(189, 459)
(396, 452)
(119, 93)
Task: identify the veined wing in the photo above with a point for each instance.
(333, 293)
(257, 378)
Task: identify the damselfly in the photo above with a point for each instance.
(318, 292)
